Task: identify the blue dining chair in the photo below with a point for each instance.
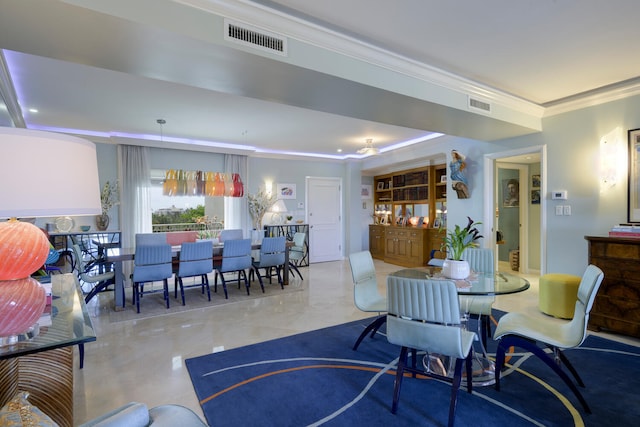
(196, 260)
(231, 234)
(152, 263)
(236, 257)
(272, 257)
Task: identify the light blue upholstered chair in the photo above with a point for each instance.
(231, 234)
(297, 252)
(196, 260)
(272, 256)
(532, 333)
(152, 263)
(236, 257)
(136, 414)
(425, 315)
(365, 292)
(480, 260)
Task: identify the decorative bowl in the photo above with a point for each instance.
(85, 227)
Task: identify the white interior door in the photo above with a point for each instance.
(324, 216)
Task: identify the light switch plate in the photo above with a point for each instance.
(559, 210)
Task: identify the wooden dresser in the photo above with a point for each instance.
(617, 304)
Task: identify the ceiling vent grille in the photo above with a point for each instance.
(476, 104)
(254, 37)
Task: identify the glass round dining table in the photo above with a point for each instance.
(477, 284)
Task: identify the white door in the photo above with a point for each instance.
(324, 216)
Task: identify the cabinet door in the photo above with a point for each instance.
(376, 242)
(390, 243)
(416, 248)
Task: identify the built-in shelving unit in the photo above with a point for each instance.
(409, 207)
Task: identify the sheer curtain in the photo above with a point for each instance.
(236, 210)
(134, 175)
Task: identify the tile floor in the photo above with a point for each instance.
(143, 359)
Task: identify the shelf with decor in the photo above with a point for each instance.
(401, 200)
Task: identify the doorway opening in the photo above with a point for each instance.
(515, 206)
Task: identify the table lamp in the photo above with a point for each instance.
(42, 174)
(277, 209)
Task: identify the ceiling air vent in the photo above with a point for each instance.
(476, 104)
(255, 37)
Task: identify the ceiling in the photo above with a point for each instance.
(358, 69)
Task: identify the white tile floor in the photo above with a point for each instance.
(143, 360)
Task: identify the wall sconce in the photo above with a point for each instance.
(612, 159)
(268, 187)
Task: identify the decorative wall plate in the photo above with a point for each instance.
(64, 224)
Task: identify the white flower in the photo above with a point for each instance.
(109, 196)
(259, 203)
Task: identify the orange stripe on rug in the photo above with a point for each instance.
(298, 368)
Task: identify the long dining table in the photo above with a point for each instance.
(118, 256)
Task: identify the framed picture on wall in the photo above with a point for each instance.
(510, 193)
(535, 197)
(535, 181)
(633, 200)
(365, 191)
(286, 191)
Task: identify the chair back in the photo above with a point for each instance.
(272, 252)
(231, 234)
(236, 255)
(589, 286)
(196, 258)
(425, 314)
(479, 259)
(150, 239)
(296, 252)
(152, 262)
(365, 282)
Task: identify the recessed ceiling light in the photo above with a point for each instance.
(339, 150)
(33, 110)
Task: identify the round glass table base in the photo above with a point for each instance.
(482, 369)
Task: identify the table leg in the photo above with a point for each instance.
(285, 274)
(118, 289)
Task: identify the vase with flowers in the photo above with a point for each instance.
(454, 243)
(259, 203)
(108, 198)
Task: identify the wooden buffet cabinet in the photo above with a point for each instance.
(406, 246)
(617, 304)
(420, 193)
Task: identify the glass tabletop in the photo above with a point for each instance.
(497, 283)
(68, 323)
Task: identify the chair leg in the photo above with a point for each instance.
(293, 267)
(181, 289)
(402, 362)
(224, 285)
(373, 326)
(455, 386)
(243, 273)
(511, 340)
(165, 284)
(257, 272)
(205, 280)
(560, 354)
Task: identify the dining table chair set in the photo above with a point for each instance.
(426, 315)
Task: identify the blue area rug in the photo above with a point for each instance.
(315, 378)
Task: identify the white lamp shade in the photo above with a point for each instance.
(278, 206)
(45, 174)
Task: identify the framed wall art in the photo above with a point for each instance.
(286, 191)
(633, 192)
